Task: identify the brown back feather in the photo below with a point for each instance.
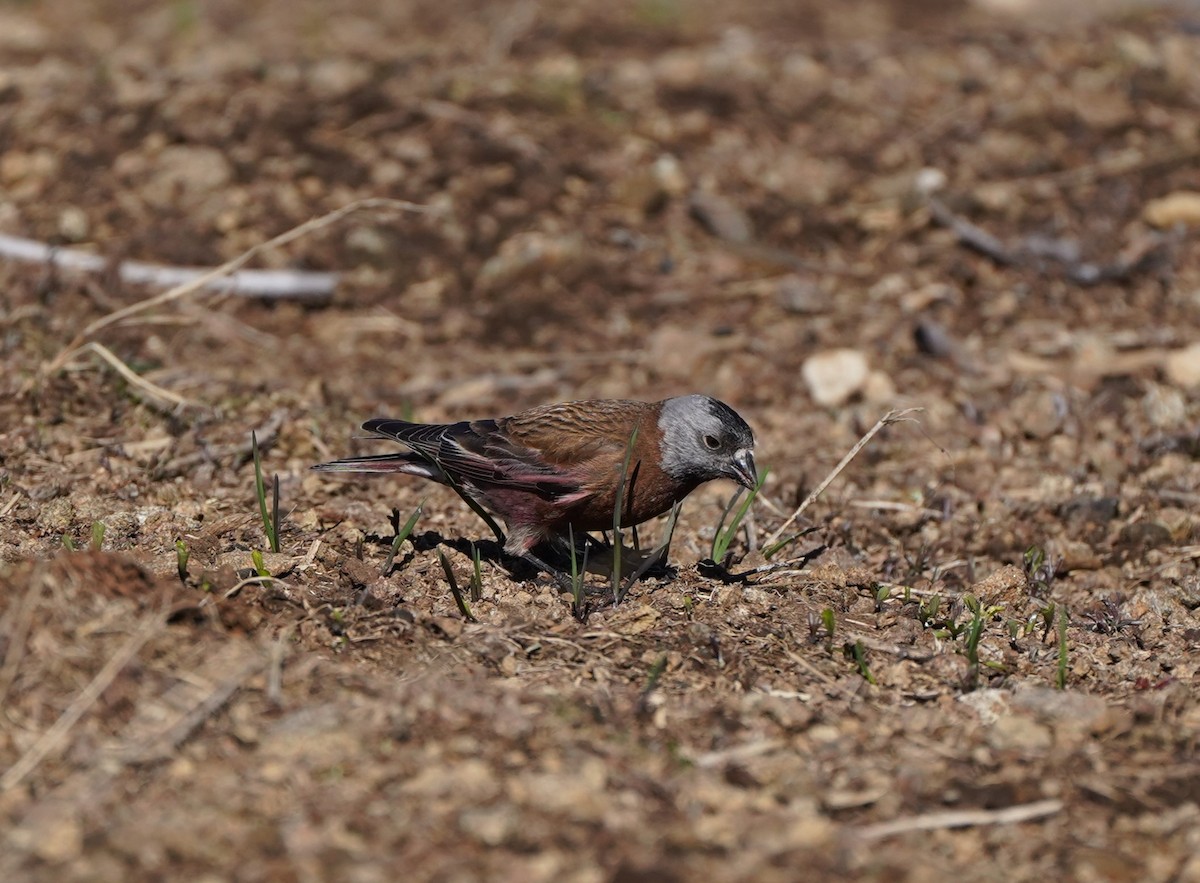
(574, 433)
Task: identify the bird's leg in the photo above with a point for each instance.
(563, 579)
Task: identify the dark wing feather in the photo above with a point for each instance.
(476, 452)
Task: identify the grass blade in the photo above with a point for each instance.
(270, 527)
(723, 539)
(476, 586)
(463, 607)
(618, 507)
(181, 559)
(402, 534)
(579, 608)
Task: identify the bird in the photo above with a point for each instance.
(555, 470)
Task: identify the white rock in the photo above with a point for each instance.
(1180, 207)
(1183, 366)
(835, 375)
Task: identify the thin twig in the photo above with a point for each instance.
(267, 582)
(297, 232)
(54, 736)
(965, 818)
(894, 416)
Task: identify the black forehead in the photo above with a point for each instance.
(731, 421)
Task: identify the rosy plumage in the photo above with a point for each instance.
(555, 467)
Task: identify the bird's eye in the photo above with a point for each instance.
(712, 442)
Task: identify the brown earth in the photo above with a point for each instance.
(773, 205)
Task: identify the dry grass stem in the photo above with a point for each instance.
(130, 376)
(894, 416)
(57, 733)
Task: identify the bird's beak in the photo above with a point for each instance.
(744, 472)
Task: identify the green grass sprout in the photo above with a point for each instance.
(270, 519)
(724, 535)
(256, 557)
(97, 535)
(858, 653)
(463, 607)
(181, 559)
(476, 584)
(656, 673)
(579, 607)
(402, 534)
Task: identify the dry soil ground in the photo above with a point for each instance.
(771, 202)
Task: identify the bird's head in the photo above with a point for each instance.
(703, 439)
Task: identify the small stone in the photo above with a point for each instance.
(1040, 413)
(1089, 509)
(1017, 732)
(1182, 366)
(835, 375)
(1005, 586)
(879, 389)
(334, 79)
(1180, 207)
(185, 175)
(73, 224)
(989, 704)
(1164, 406)
(669, 175)
(797, 294)
(1141, 536)
(929, 180)
(932, 339)
(720, 217)
(1078, 555)
(531, 254)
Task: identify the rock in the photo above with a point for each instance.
(531, 254)
(1182, 366)
(1141, 536)
(1006, 586)
(879, 389)
(1062, 708)
(1089, 509)
(720, 217)
(834, 376)
(335, 79)
(798, 294)
(1017, 732)
(185, 175)
(73, 224)
(1040, 413)
(1077, 555)
(933, 339)
(1180, 207)
(1164, 406)
(989, 704)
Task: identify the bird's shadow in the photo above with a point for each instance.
(597, 554)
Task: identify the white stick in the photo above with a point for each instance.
(296, 284)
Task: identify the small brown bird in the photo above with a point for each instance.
(558, 467)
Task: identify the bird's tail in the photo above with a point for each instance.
(404, 463)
